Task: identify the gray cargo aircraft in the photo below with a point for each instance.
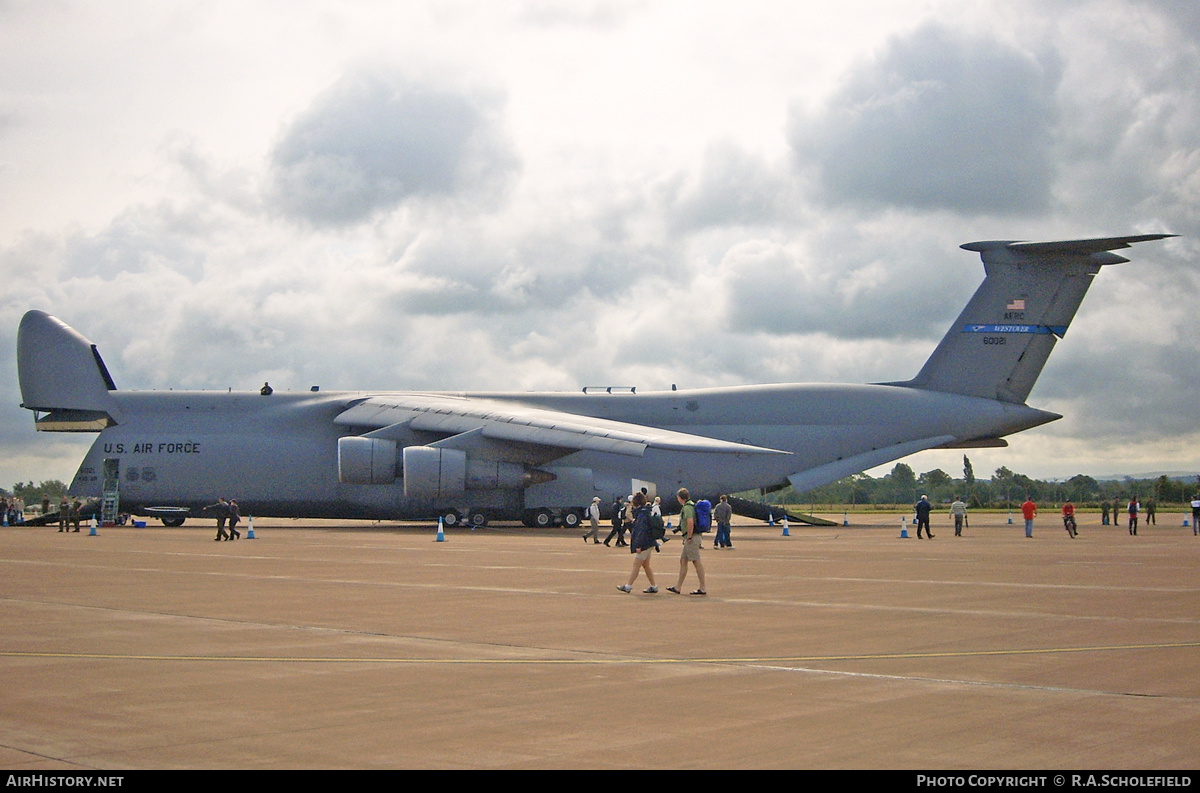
(542, 457)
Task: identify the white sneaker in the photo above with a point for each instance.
(625, 588)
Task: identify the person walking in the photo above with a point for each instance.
(1134, 508)
(221, 508)
(723, 517)
(593, 513)
(958, 511)
(1029, 510)
(691, 543)
(641, 545)
(234, 517)
(618, 521)
(923, 508)
(1195, 513)
(656, 519)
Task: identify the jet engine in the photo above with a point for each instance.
(366, 461)
(429, 472)
(437, 473)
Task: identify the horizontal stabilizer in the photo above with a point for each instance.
(1070, 247)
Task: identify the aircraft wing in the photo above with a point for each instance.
(514, 422)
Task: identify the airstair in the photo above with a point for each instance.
(110, 496)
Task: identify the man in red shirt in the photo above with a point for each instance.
(1068, 512)
(1029, 510)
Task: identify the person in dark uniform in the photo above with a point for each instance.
(64, 514)
(221, 509)
(923, 508)
(234, 517)
(618, 523)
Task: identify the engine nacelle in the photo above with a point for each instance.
(437, 473)
(366, 461)
(431, 472)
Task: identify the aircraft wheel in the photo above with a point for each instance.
(451, 518)
(543, 518)
(571, 519)
(478, 519)
(174, 523)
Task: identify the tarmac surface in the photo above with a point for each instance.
(327, 645)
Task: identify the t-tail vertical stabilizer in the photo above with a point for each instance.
(63, 376)
(998, 345)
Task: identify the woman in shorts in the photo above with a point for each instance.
(641, 544)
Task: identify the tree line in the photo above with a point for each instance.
(33, 494)
(1005, 489)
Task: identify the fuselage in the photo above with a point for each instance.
(277, 454)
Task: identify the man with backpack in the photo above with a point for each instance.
(689, 526)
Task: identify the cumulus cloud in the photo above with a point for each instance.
(1183, 13)
(939, 119)
(732, 187)
(375, 140)
(848, 282)
(1129, 152)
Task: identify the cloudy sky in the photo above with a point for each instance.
(545, 195)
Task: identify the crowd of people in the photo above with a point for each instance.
(12, 511)
(642, 519)
(647, 534)
(1029, 510)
